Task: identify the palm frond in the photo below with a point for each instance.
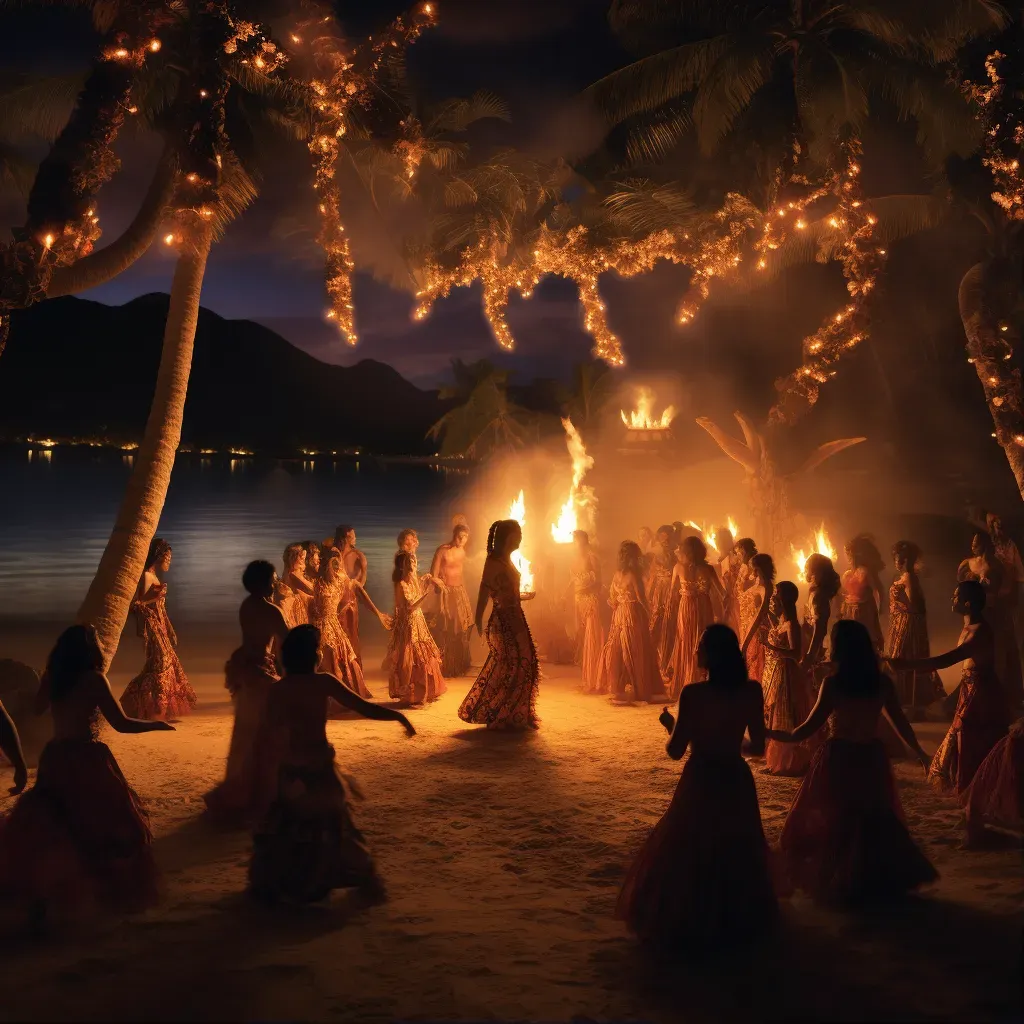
(642, 207)
(456, 115)
(236, 192)
(16, 170)
(458, 192)
(728, 88)
(902, 215)
(649, 143)
(37, 106)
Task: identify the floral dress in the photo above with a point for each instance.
(696, 613)
(337, 655)
(908, 639)
(629, 662)
(415, 675)
(589, 630)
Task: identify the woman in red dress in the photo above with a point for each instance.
(701, 879)
(504, 695)
(755, 600)
(79, 839)
(981, 718)
(161, 689)
(996, 796)
(862, 588)
(845, 840)
(700, 593)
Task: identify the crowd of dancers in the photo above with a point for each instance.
(720, 637)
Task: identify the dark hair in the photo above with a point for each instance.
(291, 555)
(403, 566)
(341, 533)
(258, 576)
(459, 528)
(629, 557)
(667, 530)
(973, 593)
(311, 546)
(406, 533)
(864, 553)
(719, 652)
(857, 673)
(581, 535)
(158, 547)
(300, 651)
(907, 551)
(695, 548)
(789, 594)
(499, 533)
(764, 567)
(76, 652)
(821, 567)
(747, 546)
(724, 531)
(988, 545)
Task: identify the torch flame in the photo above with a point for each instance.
(707, 532)
(562, 531)
(820, 545)
(519, 560)
(640, 418)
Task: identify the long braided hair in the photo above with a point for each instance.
(498, 535)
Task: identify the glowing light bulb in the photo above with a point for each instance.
(154, 45)
(169, 239)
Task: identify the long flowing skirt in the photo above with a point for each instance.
(629, 662)
(456, 623)
(504, 695)
(589, 645)
(908, 639)
(78, 840)
(996, 794)
(415, 674)
(787, 703)
(695, 615)
(249, 778)
(307, 844)
(979, 722)
(161, 689)
(756, 653)
(338, 656)
(659, 594)
(702, 876)
(845, 839)
(866, 613)
(349, 619)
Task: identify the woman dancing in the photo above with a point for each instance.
(161, 689)
(699, 590)
(337, 655)
(416, 675)
(823, 582)
(908, 633)
(728, 569)
(293, 592)
(79, 839)
(249, 675)
(996, 796)
(504, 695)
(659, 586)
(755, 601)
(981, 718)
(629, 663)
(456, 612)
(845, 840)
(586, 586)
(308, 844)
(862, 588)
(701, 879)
(743, 555)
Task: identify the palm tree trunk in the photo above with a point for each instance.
(110, 595)
(986, 298)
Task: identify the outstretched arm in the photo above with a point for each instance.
(377, 712)
(385, 620)
(899, 720)
(815, 720)
(760, 619)
(817, 641)
(112, 711)
(962, 653)
(755, 724)
(10, 744)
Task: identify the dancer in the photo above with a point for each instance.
(824, 583)
(337, 655)
(415, 675)
(629, 663)
(743, 554)
(908, 633)
(354, 563)
(456, 612)
(701, 879)
(79, 839)
(408, 540)
(161, 689)
(586, 586)
(996, 795)
(312, 561)
(862, 588)
(981, 718)
(787, 697)
(659, 586)
(249, 675)
(504, 695)
(293, 592)
(845, 840)
(308, 844)
(699, 590)
(754, 602)
(728, 569)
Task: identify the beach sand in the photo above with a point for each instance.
(503, 855)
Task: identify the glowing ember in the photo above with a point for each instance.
(641, 419)
(579, 496)
(519, 560)
(820, 545)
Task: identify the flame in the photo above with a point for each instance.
(579, 496)
(820, 545)
(733, 528)
(707, 532)
(640, 418)
(519, 560)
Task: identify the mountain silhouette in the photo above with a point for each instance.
(74, 368)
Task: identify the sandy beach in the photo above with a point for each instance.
(503, 856)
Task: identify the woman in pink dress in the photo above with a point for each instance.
(754, 603)
(629, 663)
(908, 633)
(161, 689)
(504, 695)
(416, 675)
(293, 592)
(981, 717)
(701, 878)
(79, 839)
(699, 589)
(659, 586)
(862, 588)
(337, 655)
(845, 840)
(586, 587)
(249, 674)
(996, 795)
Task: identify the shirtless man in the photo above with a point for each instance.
(354, 559)
(456, 610)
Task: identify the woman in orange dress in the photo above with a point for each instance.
(659, 586)
(845, 840)
(699, 589)
(416, 675)
(754, 601)
(629, 663)
(981, 718)
(161, 689)
(862, 588)
(586, 586)
(79, 839)
(908, 633)
(293, 592)
(743, 555)
(504, 695)
(701, 879)
(337, 655)
(728, 569)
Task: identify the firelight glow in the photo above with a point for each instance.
(562, 531)
(640, 418)
(820, 545)
(519, 560)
